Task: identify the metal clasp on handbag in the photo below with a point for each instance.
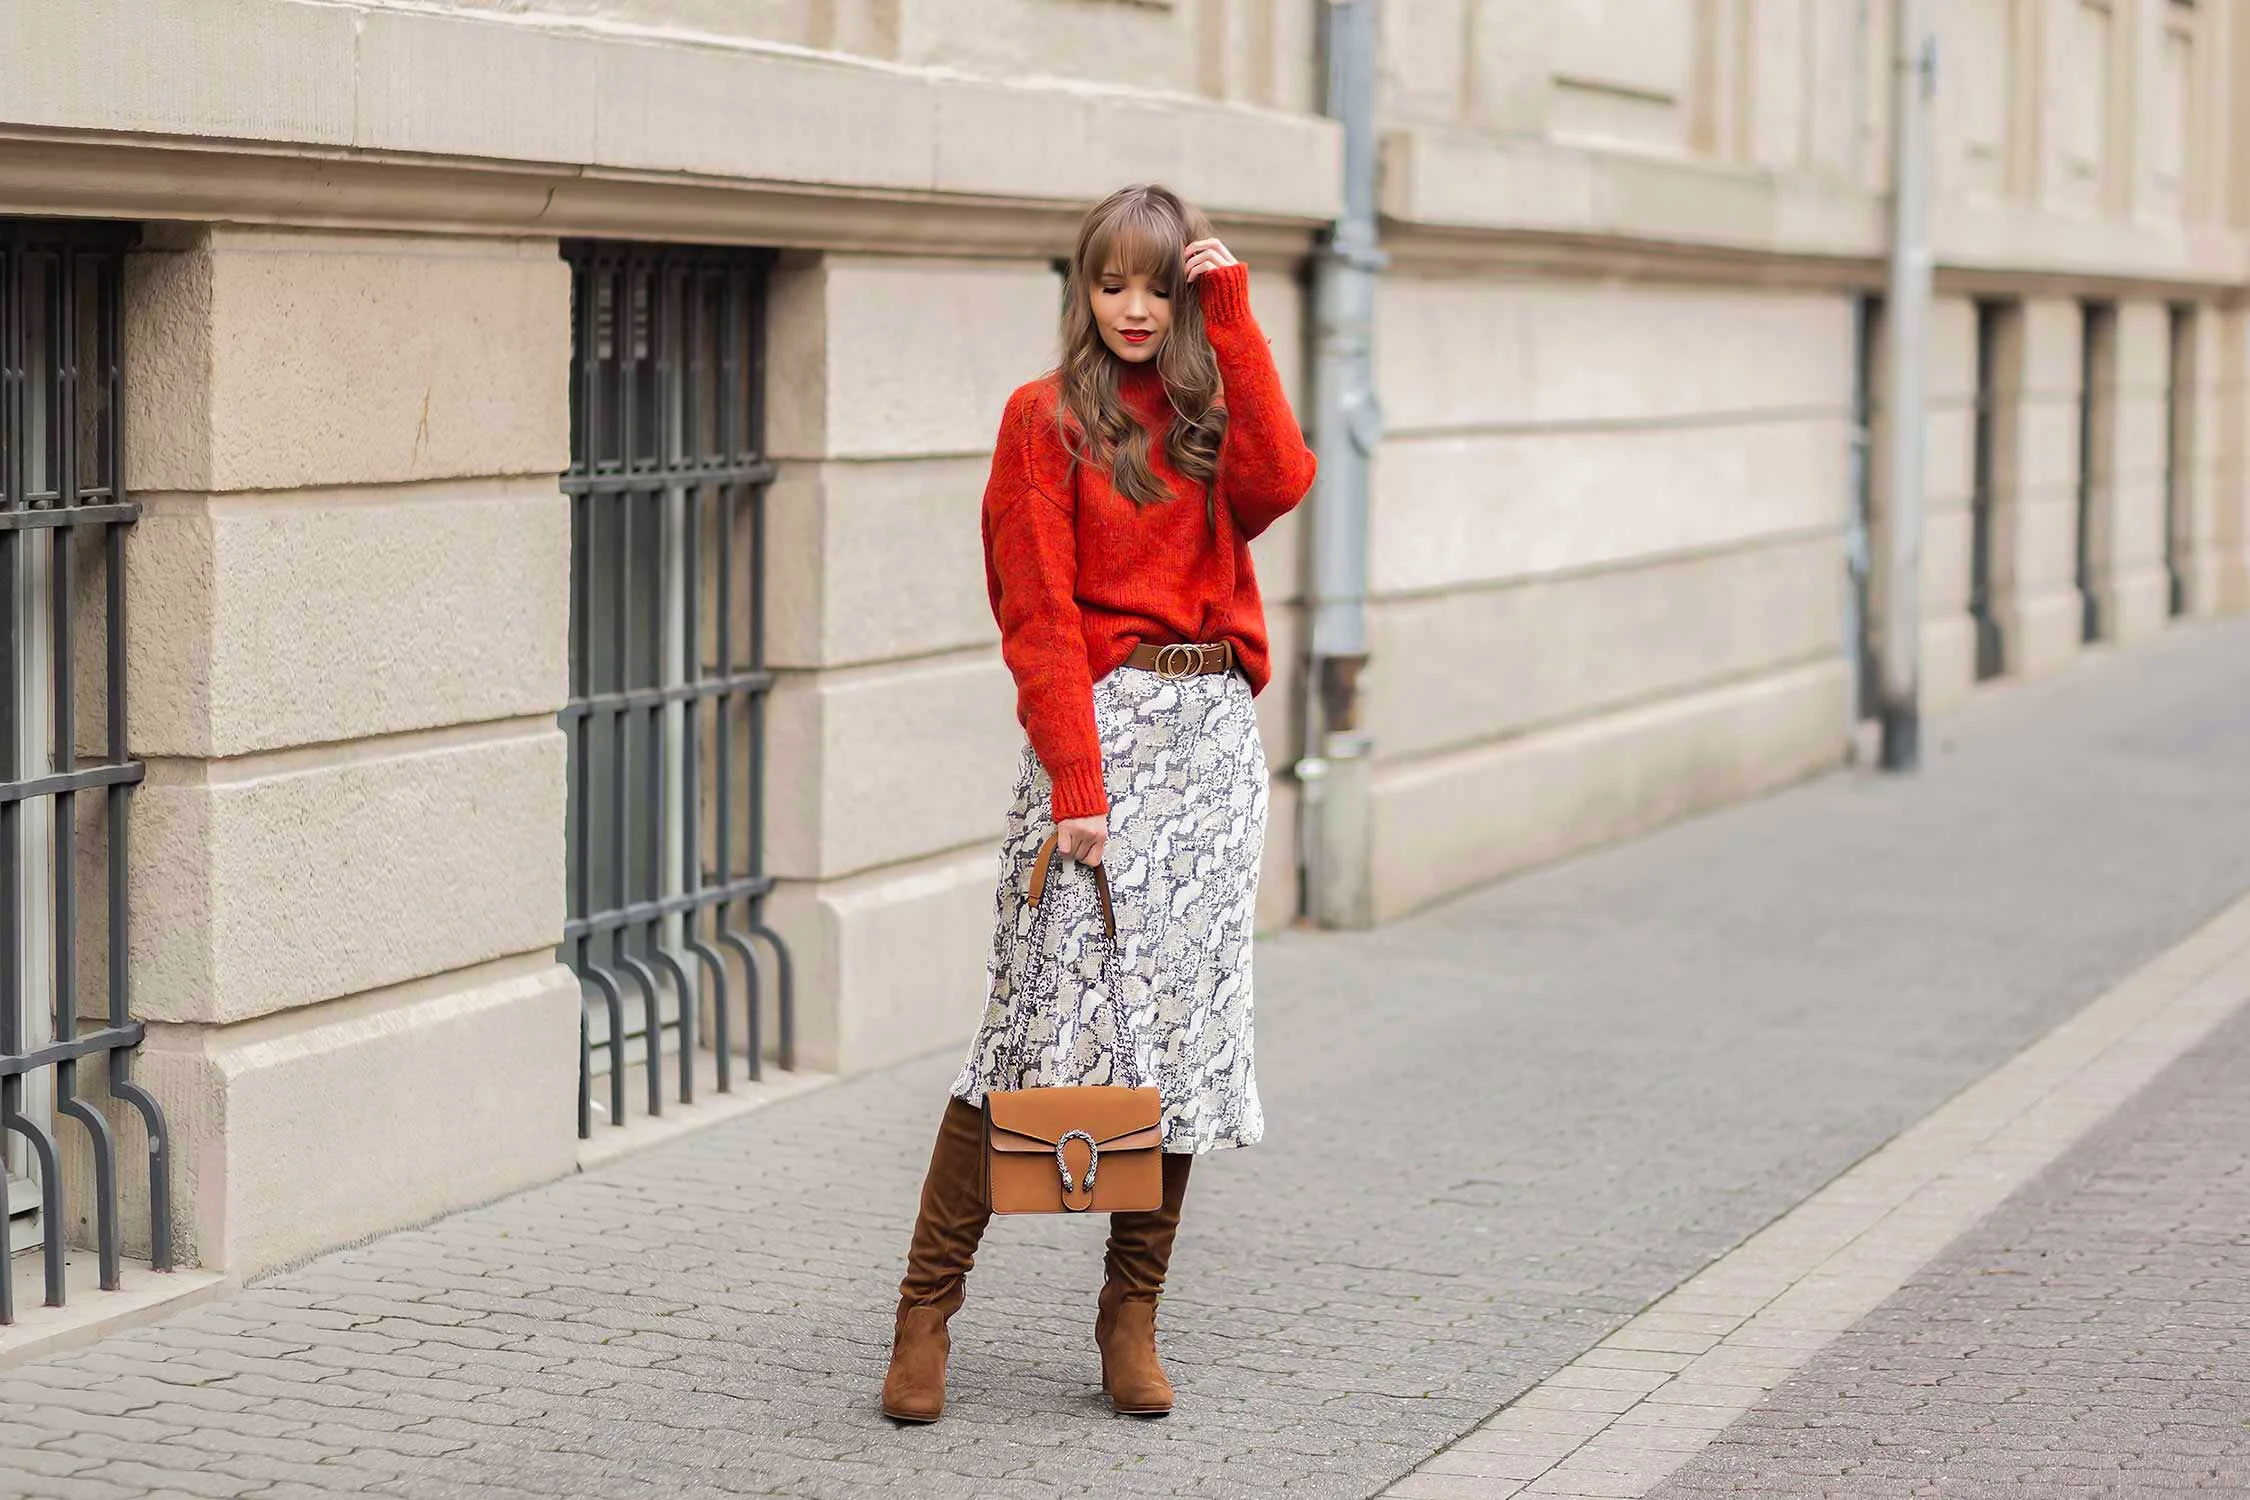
(1093, 1160)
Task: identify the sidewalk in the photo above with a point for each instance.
(2085, 1340)
(1497, 1131)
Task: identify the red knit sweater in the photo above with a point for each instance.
(1079, 575)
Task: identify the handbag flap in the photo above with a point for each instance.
(1119, 1119)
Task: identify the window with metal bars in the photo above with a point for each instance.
(66, 772)
(668, 680)
(2181, 393)
(1984, 613)
(2097, 403)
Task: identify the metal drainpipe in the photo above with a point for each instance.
(1907, 310)
(1333, 821)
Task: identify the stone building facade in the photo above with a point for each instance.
(508, 576)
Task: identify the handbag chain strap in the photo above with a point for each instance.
(1112, 975)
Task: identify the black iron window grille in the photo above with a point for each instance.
(63, 515)
(2181, 393)
(1984, 610)
(2097, 398)
(668, 681)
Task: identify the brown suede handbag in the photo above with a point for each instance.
(1094, 1149)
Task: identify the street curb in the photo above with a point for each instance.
(1616, 1422)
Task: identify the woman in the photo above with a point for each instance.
(1126, 486)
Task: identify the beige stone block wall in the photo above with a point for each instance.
(890, 963)
(1949, 658)
(1948, 525)
(1255, 50)
(881, 559)
(887, 357)
(1278, 877)
(2074, 140)
(1708, 125)
(2035, 481)
(434, 358)
(271, 882)
(2079, 138)
(1458, 352)
(893, 742)
(1456, 669)
(1595, 504)
(414, 82)
(2231, 523)
(326, 615)
(2219, 525)
(2210, 484)
(349, 597)
(1454, 509)
(902, 949)
(1281, 712)
(1948, 644)
(1543, 796)
(314, 1127)
(2129, 578)
(875, 765)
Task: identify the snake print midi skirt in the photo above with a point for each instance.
(1171, 1005)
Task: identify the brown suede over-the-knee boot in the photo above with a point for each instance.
(1140, 1251)
(946, 1233)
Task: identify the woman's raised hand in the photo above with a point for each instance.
(1205, 256)
(1083, 839)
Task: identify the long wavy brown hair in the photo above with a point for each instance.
(1141, 229)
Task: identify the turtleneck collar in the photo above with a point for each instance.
(1143, 389)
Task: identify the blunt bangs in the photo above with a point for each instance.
(1140, 238)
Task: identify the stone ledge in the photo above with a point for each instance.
(415, 85)
(642, 1132)
(1457, 180)
(90, 1314)
(1438, 183)
(2019, 243)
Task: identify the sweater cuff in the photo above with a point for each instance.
(1079, 792)
(1225, 294)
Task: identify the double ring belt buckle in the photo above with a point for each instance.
(1175, 668)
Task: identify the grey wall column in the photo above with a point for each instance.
(1907, 308)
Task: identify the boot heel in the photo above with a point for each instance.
(914, 1388)
(1132, 1374)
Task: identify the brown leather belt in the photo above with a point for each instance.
(1177, 661)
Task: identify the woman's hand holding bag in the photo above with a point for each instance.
(1095, 1148)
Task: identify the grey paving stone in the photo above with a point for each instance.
(35, 1486)
(1497, 1130)
(2109, 1247)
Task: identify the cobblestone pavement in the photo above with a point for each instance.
(2090, 1338)
(1497, 1130)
